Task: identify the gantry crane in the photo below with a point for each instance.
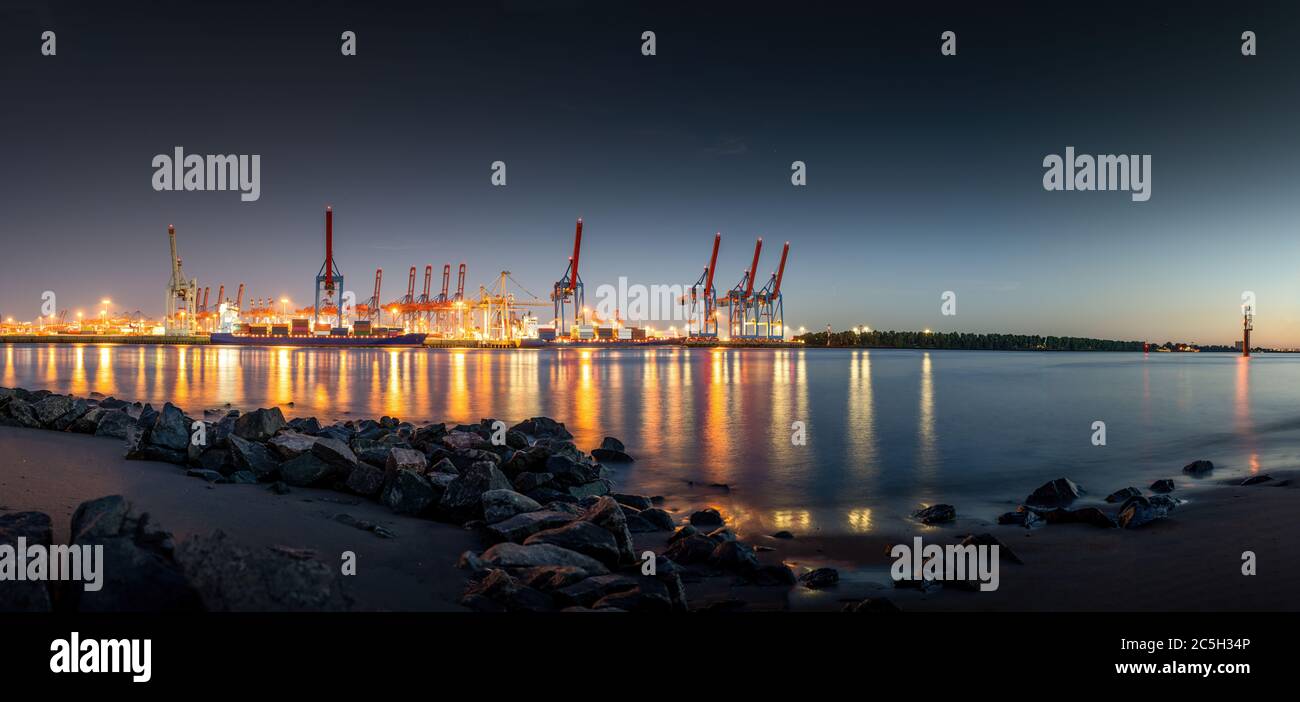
(703, 301)
(329, 279)
(568, 289)
(181, 295)
(739, 300)
(768, 307)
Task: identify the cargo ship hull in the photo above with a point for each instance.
(317, 341)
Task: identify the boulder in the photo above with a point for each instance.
(820, 578)
(543, 427)
(50, 408)
(521, 526)
(1256, 479)
(1125, 493)
(289, 445)
(25, 595)
(170, 430)
(1057, 493)
(1023, 517)
(936, 514)
(990, 540)
(1086, 515)
(409, 493)
(605, 455)
(305, 470)
(773, 576)
(707, 517)
(550, 578)
(497, 591)
(259, 425)
(336, 454)
(595, 488)
(695, 548)
(500, 505)
(568, 472)
(230, 577)
(1162, 486)
(113, 423)
(1140, 511)
(366, 479)
(642, 598)
(637, 502)
(19, 413)
(138, 567)
(252, 457)
(511, 555)
(608, 515)
(1198, 468)
(587, 592)
(658, 519)
(527, 482)
(582, 537)
(735, 556)
(405, 459)
(463, 498)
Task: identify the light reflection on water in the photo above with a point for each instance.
(887, 430)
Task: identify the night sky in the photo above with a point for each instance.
(924, 171)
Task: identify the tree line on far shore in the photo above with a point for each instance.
(962, 340)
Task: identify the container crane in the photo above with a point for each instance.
(769, 309)
(1247, 326)
(568, 289)
(329, 279)
(181, 295)
(702, 291)
(739, 300)
(373, 307)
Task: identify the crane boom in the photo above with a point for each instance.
(753, 268)
(329, 249)
(428, 281)
(446, 280)
(713, 262)
(577, 250)
(239, 297)
(780, 270)
(410, 286)
(460, 283)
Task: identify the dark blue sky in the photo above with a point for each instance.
(924, 172)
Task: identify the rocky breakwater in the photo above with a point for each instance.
(556, 535)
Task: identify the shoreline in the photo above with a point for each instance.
(411, 562)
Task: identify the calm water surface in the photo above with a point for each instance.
(887, 431)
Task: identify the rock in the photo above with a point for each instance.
(500, 505)
(543, 427)
(406, 459)
(521, 526)
(568, 472)
(1057, 493)
(409, 493)
(527, 482)
(583, 537)
(289, 445)
(336, 454)
(305, 470)
(820, 578)
(1162, 486)
(735, 556)
(445, 466)
(638, 502)
(1139, 511)
(259, 425)
(1086, 515)
(170, 430)
(695, 548)
(67, 420)
(366, 479)
(1023, 517)
(1256, 479)
(773, 576)
(1125, 493)
(587, 592)
(1198, 468)
(721, 534)
(251, 457)
(990, 540)
(658, 519)
(278, 487)
(595, 488)
(230, 577)
(19, 413)
(638, 599)
(608, 515)
(51, 407)
(463, 498)
(783, 535)
(113, 423)
(511, 555)
(605, 455)
(685, 531)
(936, 514)
(305, 425)
(458, 440)
(550, 578)
(242, 477)
(707, 517)
(497, 591)
(139, 571)
(87, 423)
(25, 595)
(612, 444)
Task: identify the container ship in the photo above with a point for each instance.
(299, 333)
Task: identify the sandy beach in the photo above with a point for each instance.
(1190, 561)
